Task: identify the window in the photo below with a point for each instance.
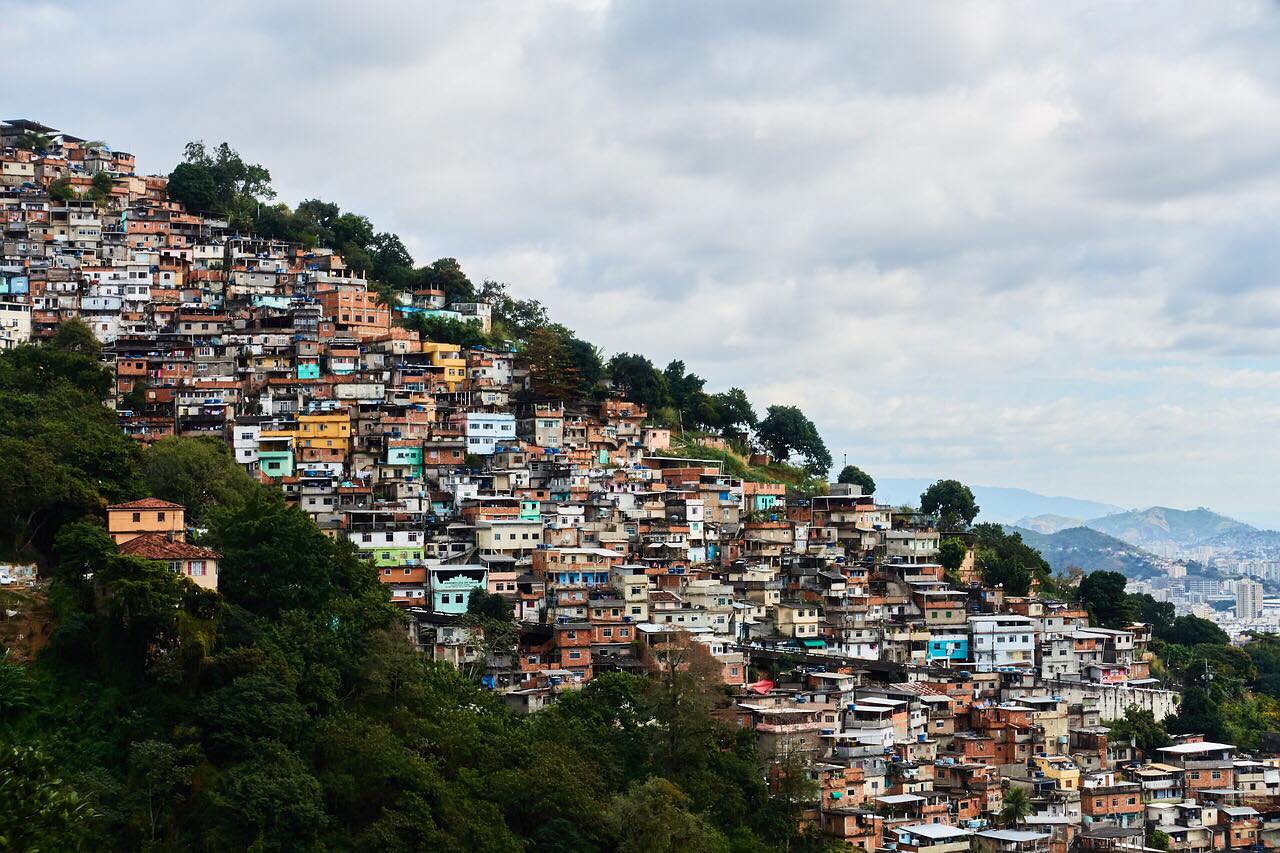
(137, 516)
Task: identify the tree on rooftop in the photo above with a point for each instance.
(1016, 807)
(33, 141)
(61, 190)
(952, 502)
(445, 274)
(856, 476)
(786, 432)
(101, 187)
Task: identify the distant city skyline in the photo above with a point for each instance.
(1029, 250)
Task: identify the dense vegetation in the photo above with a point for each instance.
(290, 712)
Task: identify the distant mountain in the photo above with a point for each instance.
(1089, 550)
(997, 503)
(1168, 531)
(1049, 523)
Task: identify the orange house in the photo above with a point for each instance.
(130, 520)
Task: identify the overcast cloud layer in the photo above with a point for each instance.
(1020, 244)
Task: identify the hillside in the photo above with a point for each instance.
(1169, 530)
(1048, 522)
(737, 464)
(998, 503)
(1089, 550)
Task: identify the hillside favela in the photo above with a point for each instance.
(558, 427)
(313, 548)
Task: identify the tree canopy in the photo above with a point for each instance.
(786, 432)
(952, 502)
(856, 476)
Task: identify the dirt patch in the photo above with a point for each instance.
(25, 622)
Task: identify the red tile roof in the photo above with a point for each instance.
(157, 546)
(147, 503)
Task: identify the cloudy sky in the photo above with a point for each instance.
(1020, 244)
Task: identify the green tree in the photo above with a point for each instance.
(101, 186)
(65, 455)
(654, 817)
(786, 432)
(489, 605)
(220, 182)
(736, 413)
(135, 399)
(1142, 729)
(951, 554)
(60, 189)
(952, 502)
(1016, 807)
(198, 473)
(638, 380)
(39, 810)
(1147, 609)
(192, 186)
(552, 373)
(1191, 631)
(446, 274)
(270, 802)
(1004, 559)
(447, 330)
(1102, 594)
(856, 476)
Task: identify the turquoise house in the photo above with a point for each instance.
(451, 587)
(276, 463)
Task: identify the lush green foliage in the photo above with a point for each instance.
(1140, 727)
(952, 502)
(786, 432)
(1003, 559)
(1102, 594)
(856, 476)
(220, 182)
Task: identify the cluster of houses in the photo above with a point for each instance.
(917, 698)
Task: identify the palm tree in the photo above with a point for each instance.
(1016, 807)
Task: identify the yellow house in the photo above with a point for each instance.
(327, 426)
(1061, 769)
(449, 367)
(798, 619)
(329, 431)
